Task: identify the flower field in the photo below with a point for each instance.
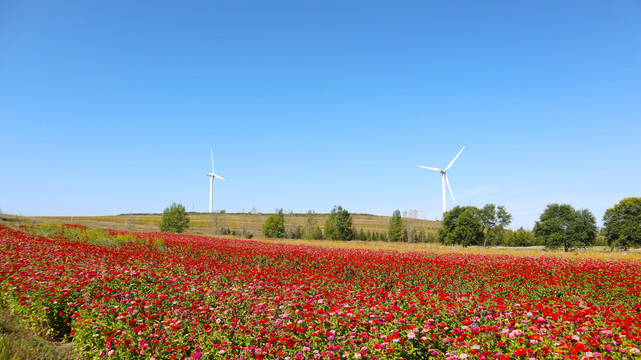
(168, 296)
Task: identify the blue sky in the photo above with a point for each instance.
(112, 107)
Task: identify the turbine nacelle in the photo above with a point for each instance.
(444, 179)
(215, 176)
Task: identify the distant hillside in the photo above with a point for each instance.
(211, 224)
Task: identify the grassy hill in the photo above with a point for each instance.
(211, 224)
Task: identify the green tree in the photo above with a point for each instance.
(396, 230)
(412, 236)
(296, 233)
(317, 234)
(312, 230)
(421, 236)
(561, 225)
(494, 219)
(521, 237)
(174, 219)
(461, 226)
(622, 224)
(338, 225)
(274, 226)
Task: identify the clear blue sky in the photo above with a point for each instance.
(112, 106)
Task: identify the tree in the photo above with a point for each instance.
(396, 229)
(493, 222)
(274, 226)
(562, 225)
(174, 219)
(622, 224)
(521, 237)
(338, 225)
(461, 226)
(297, 233)
(312, 230)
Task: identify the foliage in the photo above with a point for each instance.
(560, 225)
(18, 341)
(493, 222)
(208, 298)
(296, 233)
(461, 226)
(317, 234)
(338, 225)
(521, 237)
(396, 230)
(93, 236)
(233, 232)
(622, 224)
(174, 219)
(312, 230)
(274, 226)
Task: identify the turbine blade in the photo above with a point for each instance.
(212, 159)
(459, 153)
(429, 168)
(449, 187)
(221, 178)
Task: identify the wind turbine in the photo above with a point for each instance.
(212, 175)
(444, 178)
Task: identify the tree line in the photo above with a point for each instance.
(559, 226)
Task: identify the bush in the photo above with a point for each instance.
(174, 219)
(297, 233)
(274, 226)
(520, 237)
(339, 225)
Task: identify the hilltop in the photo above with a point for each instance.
(237, 223)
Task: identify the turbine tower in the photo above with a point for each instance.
(444, 178)
(212, 175)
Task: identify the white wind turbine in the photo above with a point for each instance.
(444, 178)
(212, 175)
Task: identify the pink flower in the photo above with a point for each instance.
(196, 355)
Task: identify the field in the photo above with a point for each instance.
(208, 224)
(124, 295)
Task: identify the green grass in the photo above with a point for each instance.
(18, 342)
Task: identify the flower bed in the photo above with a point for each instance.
(191, 297)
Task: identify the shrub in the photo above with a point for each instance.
(174, 219)
(274, 226)
(339, 225)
